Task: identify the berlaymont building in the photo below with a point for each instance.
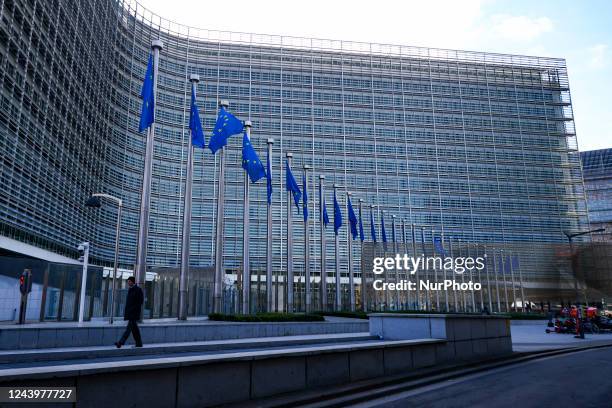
(478, 146)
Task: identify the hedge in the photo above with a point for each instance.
(266, 317)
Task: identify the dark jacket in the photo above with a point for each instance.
(133, 304)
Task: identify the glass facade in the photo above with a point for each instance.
(597, 170)
(479, 146)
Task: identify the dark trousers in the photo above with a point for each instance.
(132, 327)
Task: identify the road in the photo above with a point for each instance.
(581, 379)
(527, 338)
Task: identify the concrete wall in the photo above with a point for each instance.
(49, 335)
(204, 381)
(467, 336)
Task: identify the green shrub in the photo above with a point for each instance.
(354, 315)
(526, 316)
(430, 312)
(266, 317)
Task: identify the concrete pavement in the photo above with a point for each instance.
(580, 379)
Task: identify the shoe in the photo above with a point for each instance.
(138, 345)
(118, 345)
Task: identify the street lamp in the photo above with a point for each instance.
(95, 202)
(570, 236)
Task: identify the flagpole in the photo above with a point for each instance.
(496, 282)
(397, 299)
(427, 306)
(364, 306)
(385, 273)
(219, 272)
(513, 282)
(462, 292)
(444, 273)
(450, 251)
(246, 262)
(145, 198)
(472, 280)
(308, 301)
(337, 259)
(289, 284)
(480, 281)
(184, 273)
(323, 282)
(269, 243)
(407, 295)
(505, 281)
(488, 282)
(435, 271)
(349, 238)
(375, 295)
(416, 276)
(521, 283)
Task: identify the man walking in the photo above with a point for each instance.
(133, 306)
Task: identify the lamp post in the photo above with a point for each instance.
(94, 201)
(571, 236)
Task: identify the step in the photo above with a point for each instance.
(277, 354)
(93, 352)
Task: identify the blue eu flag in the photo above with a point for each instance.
(147, 114)
(361, 234)
(383, 231)
(352, 219)
(515, 262)
(337, 215)
(250, 161)
(372, 226)
(226, 126)
(292, 185)
(195, 125)
(305, 198)
(438, 246)
(325, 216)
(269, 179)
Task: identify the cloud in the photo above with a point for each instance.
(598, 56)
(520, 28)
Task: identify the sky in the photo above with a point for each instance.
(578, 31)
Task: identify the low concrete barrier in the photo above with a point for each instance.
(233, 377)
(467, 336)
(209, 380)
(56, 335)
